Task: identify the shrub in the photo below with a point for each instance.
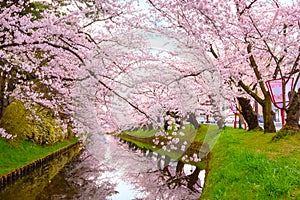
(36, 124)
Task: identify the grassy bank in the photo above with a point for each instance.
(246, 165)
(193, 138)
(15, 155)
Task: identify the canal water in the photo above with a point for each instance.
(109, 169)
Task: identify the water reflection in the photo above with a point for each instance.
(112, 169)
(31, 185)
(119, 170)
(174, 173)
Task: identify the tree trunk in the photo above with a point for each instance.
(248, 113)
(176, 116)
(4, 99)
(7, 85)
(179, 168)
(192, 119)
(293, 112)
(193, 178)
(268, 113)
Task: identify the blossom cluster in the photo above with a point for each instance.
(172, 124)
(168, 141)
(193, 158)
(6, 135)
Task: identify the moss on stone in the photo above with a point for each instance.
(37, 124)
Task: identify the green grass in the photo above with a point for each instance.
(15, 155)
(141, 133)
(249, 165)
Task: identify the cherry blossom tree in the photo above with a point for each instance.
(65, 54)
(144, 81)
(39, 55)
(43, 46)
(251, 41)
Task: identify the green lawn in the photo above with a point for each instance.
(141, 133)
(15, 155)
(249, 165)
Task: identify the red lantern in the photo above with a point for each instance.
(276, 89)
(233, 107)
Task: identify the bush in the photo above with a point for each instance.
(36, 124)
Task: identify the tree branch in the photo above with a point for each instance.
(251, 92)
(43, 42)
(257, 73)
(118, 95)
(213, 52)
(246, 8)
